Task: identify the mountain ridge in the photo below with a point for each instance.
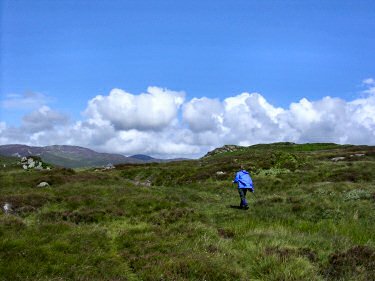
(67, 155)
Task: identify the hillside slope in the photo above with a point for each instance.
(311, 218)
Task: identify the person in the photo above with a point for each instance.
(244, 184)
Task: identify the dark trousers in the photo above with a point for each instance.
(242, 192)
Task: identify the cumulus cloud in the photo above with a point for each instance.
(371, 86)
(2, 131)
(29, 100)
(43, 119)
(153, 110)
(369, 81)
(203, 114)
(250, 117)
(40, 127)
(148, 123)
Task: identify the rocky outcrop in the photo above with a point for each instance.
(104, 168)
(224, 149)
(33, 162)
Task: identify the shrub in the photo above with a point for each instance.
(285, 253)
(273, 172)
(356, 194)
(23, 204)
(357, 263)
(78, 217)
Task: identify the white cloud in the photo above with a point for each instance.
(40, 127)
(148, 123)
(43, 119)
(2, 131)
(29, 100)
(203, 114)
(153, 110)
(369, 81)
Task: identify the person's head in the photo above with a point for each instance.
(242, 167)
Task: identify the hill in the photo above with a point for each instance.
(66, 155)
(149, 159)
(75, 156)
(143, 157)
(311, 218)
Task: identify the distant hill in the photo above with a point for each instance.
(149, 159)
(143, 157)
(66, 155)
(76, 156)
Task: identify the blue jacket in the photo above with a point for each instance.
(244, 180)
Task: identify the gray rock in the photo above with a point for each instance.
(39, 167)
(147, 183)
(31, 163)
(109, 167)
(43, 184)
(335, 159)
(7, 208)
(220, 173)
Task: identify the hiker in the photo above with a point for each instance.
(244, 184)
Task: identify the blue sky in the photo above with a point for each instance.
(63, 54)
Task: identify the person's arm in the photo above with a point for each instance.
(237, 178)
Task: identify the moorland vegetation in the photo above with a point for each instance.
(311, 218)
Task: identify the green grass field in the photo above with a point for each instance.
(310, 218)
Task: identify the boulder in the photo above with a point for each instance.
(357, 155)
(335, 159)
(43, 184)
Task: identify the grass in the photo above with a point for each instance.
(310, 218)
